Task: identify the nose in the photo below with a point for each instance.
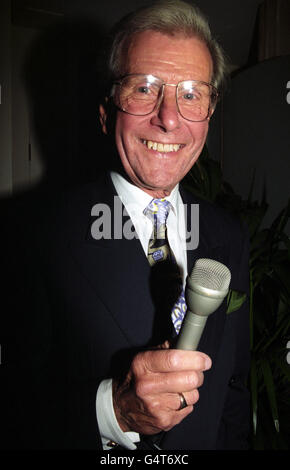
(166, 116)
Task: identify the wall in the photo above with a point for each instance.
(5, 104)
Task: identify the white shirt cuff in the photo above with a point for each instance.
(108, 425)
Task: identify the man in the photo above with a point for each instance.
(107, 374)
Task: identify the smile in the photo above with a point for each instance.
(166, 148)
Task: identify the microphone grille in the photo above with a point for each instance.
(211, 274)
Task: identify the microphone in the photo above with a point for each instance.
(205, 290)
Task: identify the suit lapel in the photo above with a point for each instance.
(117, 269)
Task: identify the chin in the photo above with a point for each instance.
(158, 187)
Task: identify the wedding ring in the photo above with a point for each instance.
(183, 403)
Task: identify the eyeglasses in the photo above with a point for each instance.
(140, 95)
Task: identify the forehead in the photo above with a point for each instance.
(169, 57)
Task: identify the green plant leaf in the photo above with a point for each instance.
(270, 387)
(281, 220)
(286, 241)
(254, 393)
(281, 328)
(235, 300)
(269, 300)
(251, 312)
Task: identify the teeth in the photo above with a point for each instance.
(162, 147)
(149, 144)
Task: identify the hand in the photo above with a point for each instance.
(148, 401)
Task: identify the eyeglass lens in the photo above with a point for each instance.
(139, 95)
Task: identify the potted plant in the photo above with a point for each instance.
(269, 319)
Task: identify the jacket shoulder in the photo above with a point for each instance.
(220, 224)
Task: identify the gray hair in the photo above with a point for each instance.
(169, 17)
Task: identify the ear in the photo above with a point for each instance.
(103, 116)
(210, 113)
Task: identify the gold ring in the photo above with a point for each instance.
(183, 403)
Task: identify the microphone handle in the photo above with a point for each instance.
(191, 331)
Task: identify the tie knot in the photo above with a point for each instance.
(158, 209)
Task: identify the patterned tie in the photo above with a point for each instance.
(159, 250)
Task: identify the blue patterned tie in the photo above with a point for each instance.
(159, 250)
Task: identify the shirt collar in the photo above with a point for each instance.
(132, 195)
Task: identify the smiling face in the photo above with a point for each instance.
(157, 150)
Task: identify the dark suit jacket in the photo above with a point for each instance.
(85, 307)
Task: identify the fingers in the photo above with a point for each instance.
(166, 419)
(170, 382)
(170, 360)
(169, 402)
(191, 397)
(168, 372)
(149, 400)
(165, 345)
(174, 401)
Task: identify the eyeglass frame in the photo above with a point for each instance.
(160, 99)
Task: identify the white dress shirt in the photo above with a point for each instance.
(135, 201)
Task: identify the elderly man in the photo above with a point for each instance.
(108, 374)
